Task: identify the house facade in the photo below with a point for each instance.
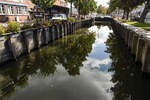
(61, 3)
(15, 10)
(18, 10)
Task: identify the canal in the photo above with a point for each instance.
(92, 64)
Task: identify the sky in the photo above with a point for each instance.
(103, 2)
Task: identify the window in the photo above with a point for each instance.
(18, 9)
(25, 10)
(10, 10)
(2, 9)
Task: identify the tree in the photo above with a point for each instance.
(101, 10)
(126, 5)
(85, 6)
(44, 4)
(145, 11)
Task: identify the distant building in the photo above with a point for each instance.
(138, 11)
(61, 3)
(59, 7)
(18, 10)
(74, 11)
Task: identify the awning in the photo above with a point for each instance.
(15, 4)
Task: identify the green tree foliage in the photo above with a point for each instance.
(126, 5)
(44, 4)
(85, 6)
(101, 10)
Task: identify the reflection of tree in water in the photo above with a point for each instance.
(75, 53)
(70, 52)
(129, 84)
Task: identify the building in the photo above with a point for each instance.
(15, 10)
(18, 10)
(60, 6)
(61, 3)
(138, 11)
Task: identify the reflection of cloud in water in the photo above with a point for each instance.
(99, 47)
(101, 34)
(96, 63)
(90, 85)
(101, 81)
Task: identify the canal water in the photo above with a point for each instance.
(92, 64)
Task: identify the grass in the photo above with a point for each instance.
(145, 26)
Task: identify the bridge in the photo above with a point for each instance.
(102, 21)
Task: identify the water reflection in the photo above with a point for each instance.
(128, 83)
(44, 62)
(82, 66)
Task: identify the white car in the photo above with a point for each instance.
(59, 16)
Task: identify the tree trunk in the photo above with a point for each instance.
(145, 11)
(123, 14)
(127, 15)
(71, 9)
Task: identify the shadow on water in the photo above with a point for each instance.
(127, 77)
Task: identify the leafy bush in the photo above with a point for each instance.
(13, 27)
(57, 21)
(37, 23)
(27, 26)
(71, 19)
(2, 30)
(47, 23)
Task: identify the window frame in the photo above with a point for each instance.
(19, 10)
(10, 10)
(2, 9)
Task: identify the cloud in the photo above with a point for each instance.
(96, 63)
(101, 34)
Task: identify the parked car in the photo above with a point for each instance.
(59, 16)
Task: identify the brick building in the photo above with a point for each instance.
(61, 3)
(15, 10)
(18, 10)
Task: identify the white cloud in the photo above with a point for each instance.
(96, 63)
(101, 34)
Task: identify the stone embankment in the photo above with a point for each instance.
(137, 40)
(15, 45)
